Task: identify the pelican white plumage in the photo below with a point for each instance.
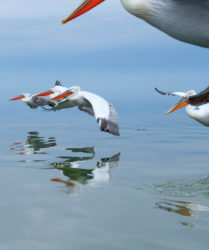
(93, 104)
(197, 105)
(185, 20)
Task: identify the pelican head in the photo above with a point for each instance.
(71, 92)
(184, 101)
(180, 104)
(21, 97)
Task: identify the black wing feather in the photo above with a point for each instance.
(201, 98)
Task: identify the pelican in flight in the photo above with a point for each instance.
(184, 20)
(42, 99)
(93, 104)
(197, 105)
(34, 101)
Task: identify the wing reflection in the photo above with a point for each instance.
(33, 144)
(73, 161)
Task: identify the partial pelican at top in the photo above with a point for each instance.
(184, 20)
(197, 105)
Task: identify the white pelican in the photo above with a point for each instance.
(42, 99)
(185, 20)
(197, 105)
(94, 105)
(34, 101)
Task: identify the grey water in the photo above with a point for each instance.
(66, 185)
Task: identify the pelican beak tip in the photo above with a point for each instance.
(85, 6)
(16, 98)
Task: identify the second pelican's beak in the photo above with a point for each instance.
(64, 95)
(181, 103)
(17, 98)
(85, 6)
(48, 92)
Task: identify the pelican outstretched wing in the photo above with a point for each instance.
(41, 101)
(88, 110)
(201, 98)
(177, 93)
(64, 104)
(32, 106)
(191, 97)
(103, 111)
(58, 83)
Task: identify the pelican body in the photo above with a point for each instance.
(184, 20)
(199, 113)
(197, 105)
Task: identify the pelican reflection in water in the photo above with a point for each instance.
(69, 164)
(184, 208)
(33, 144)
(186, 205)
(77, 176)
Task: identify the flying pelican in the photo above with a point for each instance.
(34, 101)
(42, 99)
(184, 20)
(94, 105)
(197, 105)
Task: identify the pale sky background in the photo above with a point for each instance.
(37, 25)
(105, 50)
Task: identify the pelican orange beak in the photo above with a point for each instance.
(181, 103)
(85, 6)
(64, 95)
(17, 98)
(48, 92)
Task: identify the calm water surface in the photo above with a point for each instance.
(66, 185)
